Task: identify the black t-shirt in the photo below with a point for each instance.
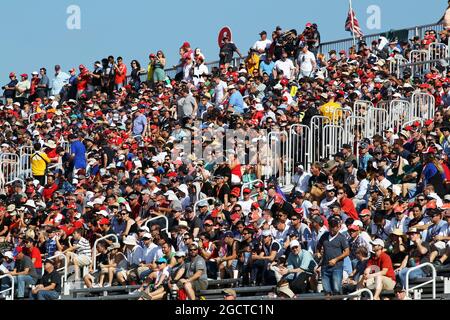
(195, 223)
(5, 222)
(220, 192)
(227, 51)
(321, 178)
(10, 93)
(102, 258)
(224, 171)
(49, 278)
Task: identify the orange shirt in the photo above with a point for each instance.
(121, 74)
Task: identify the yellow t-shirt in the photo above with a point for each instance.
(252, 64)
(327, 110)
(150, 72)
(39, 162)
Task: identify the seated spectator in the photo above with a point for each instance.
(194, 273)
(382, 277)
(24, 272)
(49, 286)
(78, 253)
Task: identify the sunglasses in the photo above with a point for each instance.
(296, 247)
(421, 199)
(208, 225)
(185, 239)
(193, 250)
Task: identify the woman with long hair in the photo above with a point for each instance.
(136, 72)
(158, 67)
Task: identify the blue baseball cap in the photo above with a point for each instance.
(161, 260)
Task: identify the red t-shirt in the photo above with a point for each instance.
(349, 208)
(35, 254)
(120, 77)
(383, 262)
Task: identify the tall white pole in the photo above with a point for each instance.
(353, 25)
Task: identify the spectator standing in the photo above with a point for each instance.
(10, 89)
(120, 71)
(262, 46)
(61, 79)
(23, 89)
(44, 83)
(227, 51)
(332, 249)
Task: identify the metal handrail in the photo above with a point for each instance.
(433, 280)
(359, 292)
(94, 250)
(12, 285)
(202, 200)
(166, 228)
(250, 183)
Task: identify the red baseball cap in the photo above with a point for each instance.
(24, 75)
(353, 227)
(81, 67)
(103, 221)
(309, 24)
(12, 74)
(247, 190)
(255, 205)
(186, 45)
(428, 122)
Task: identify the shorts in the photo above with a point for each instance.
(441, 247)
(200, 285)
(83, 260)
(388, 283)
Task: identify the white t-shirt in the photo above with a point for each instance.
(286, 66)
(246, 206)
(219, 92)
(306, 61)
(262, 45)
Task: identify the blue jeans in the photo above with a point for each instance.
(332, 279)
(416, 274)
(21, 281)
(45, 295)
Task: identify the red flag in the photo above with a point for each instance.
(352, 24)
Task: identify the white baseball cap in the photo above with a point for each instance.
(294, 243)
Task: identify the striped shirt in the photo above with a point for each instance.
(84, 247)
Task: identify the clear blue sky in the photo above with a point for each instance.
(35, 32)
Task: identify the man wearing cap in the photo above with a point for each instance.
(246, 203)
(61, 79)
(332, 248)
(44, 82)
(300, 267)
(49, 287)
(418, 252)
(261, 46)
(330, 197)
(384, 276)
(10, 89)
(22, 89)
(269, 251)
(365, 156)
(227, 50)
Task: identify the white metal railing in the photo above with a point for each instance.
(11, 289)
(299, 149)
(25, 154)
(64, 268)
(94, 250)
(202, 200)
(433, 280)
(359, 292)
(165, 229)
(250, 185)
(277, 155)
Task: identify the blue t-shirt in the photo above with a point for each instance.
(78, 149)
(267, 68)
(237, 101)
(139, 124)
(429, 171)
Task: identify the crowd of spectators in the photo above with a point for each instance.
(347, 224)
